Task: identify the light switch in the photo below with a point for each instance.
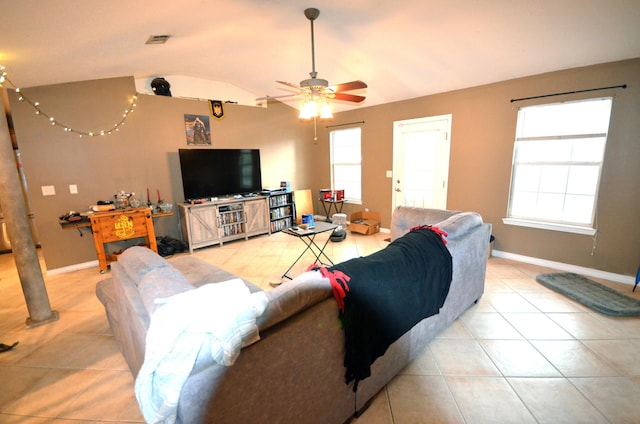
(48, 190)
(73, 189)
(389, 174)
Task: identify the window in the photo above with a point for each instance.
(557, 162)
(346, 163)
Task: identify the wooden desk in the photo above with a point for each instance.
(118, 225)
(107, 229)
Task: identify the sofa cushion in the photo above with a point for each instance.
(138, 260)
(159, 283)
(198, 272)
(153, 276)
(459, 224)
(294, 296)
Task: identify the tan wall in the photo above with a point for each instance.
(144, 153)
(483, 130)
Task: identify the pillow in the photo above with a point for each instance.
(294, 296)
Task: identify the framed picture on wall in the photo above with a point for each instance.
(197, 129)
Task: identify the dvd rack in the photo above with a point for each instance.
(231, 219)
(282, 210)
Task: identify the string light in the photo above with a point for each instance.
(4, 80)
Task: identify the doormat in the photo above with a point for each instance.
(591, 294)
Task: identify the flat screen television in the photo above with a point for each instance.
(219, 172)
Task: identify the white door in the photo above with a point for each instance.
(421, 161)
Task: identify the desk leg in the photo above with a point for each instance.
(315, 249)
(286, 273)
(332, 205)
(326, 212)
(321, 252)
(102, 257)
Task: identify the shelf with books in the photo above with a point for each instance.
(282, 210)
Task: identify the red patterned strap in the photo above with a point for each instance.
(436, 230)
(338, 280)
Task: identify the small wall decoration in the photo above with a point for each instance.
(216, 109)
(197, 129)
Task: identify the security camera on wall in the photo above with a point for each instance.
(161, 87)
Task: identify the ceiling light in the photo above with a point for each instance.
(325, 111)
(309, 109)
(315, 107)
(157, 39)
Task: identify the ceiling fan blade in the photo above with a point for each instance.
(348, 97)
(348, 86)
(296, 86)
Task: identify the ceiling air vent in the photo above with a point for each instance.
(157, 39)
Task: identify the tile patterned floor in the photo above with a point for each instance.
(523, 354)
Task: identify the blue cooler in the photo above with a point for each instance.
(307, 218)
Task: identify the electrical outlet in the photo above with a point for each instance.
(48, 190)
(73, 189)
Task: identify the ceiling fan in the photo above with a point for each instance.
(317, 91)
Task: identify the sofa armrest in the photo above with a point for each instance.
(293, 297)
(405, 217)
(458, 225)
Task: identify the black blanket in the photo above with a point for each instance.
(387, 293)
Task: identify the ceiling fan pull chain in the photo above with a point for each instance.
(315, 130)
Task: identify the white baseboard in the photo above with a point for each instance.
(618, 278)
(74, 267)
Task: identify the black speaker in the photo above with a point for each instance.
(161, 87)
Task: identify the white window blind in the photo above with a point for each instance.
(346, 163)
(557, 162)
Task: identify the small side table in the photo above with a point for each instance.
(308, 238)
(328, 204)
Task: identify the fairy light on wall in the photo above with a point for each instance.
(4, 80)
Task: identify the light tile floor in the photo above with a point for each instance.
(523, 354)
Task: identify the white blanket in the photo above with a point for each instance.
(215, 319)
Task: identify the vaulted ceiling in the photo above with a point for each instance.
(401, 49)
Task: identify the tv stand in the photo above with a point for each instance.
(215, 222)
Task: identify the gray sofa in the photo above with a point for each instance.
(295, 372)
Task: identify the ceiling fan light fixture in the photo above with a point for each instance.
(314, 108)
(309, 109)
(325, 111)
(316, 92)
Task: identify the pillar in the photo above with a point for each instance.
(17, 221)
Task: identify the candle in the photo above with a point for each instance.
(159, 198)
(148, 197)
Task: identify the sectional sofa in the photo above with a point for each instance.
(295, 371)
